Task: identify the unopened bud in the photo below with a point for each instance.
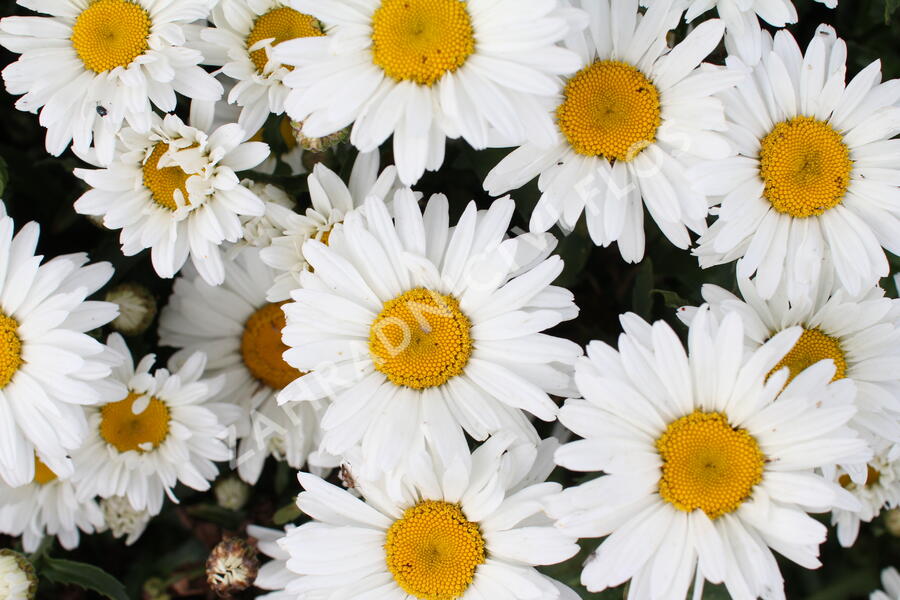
(231, 493)
(892, 521)
(17, 578)
(137, 307)
(123, 520)
(320, 144)
(232, 567)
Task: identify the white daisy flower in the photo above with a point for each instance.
(628, 124)
(165, 429)
(240, 333)
(817, 173)
(174, 190)
(426, 70)
(273, 576)
(890, 580)
(123, 520)
(417, 329)
(860, 334)
(49, 368)
(48, 506)
(247, 32)
(879, 490)
(469, 529)
(740, 18)
(709, 462)
(95, 63)
(331, 200)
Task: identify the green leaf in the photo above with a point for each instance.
(670, 298)
(229, 519)
(89, 577)
(4, 176)
(286, 514)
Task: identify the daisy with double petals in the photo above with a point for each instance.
(419, 330)
(709, 459)
(426, 70)
(815, 184)
(175, 190)
(93, 65)
(240, 333)
(331, 200)
(470, 529)
(860, 334)
(164, 429)
(246, 32)
(48, 506)
(627, 125)
(741, 17)
(49, 367)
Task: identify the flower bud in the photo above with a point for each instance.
(232, 567)
(17, 578)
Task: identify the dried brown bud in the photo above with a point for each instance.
(318, 144)
(231, 567)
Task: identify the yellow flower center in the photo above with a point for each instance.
(279, 25)
(10, 349)
(262, 348)
(708, 464)
(142, 432)
(421, 40)
(110, 33)
(42, 473)
(872, 477)
(812, 347)
(433, 551)
(164, 182)
(806, 167)
(420, 339)
(609, 109)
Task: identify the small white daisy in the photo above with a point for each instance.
(95, 63)
(174, 190)
(163, 430)
(49, 368)
(860, 334)
(890, 581)
(123, 520)
(416, 328)
(246, 32)
(331, 200)
(817, 174)
(48, 506)
(469, 529)
(740, 18)
(880, 490)
(426, 70)
(709, 462)
(240, 333)
(626, 127)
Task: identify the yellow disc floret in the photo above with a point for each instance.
(421, 40)
(433, 551)
(420, 339)
(279, 25)
(10, 349)
(164, 182)
(142, 432)
(806, 167)
(610, 109)
(262, 348)
(110, 33)
(42, 473)
(812, 347)
(708, 464)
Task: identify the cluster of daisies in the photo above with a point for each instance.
(369, 332)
